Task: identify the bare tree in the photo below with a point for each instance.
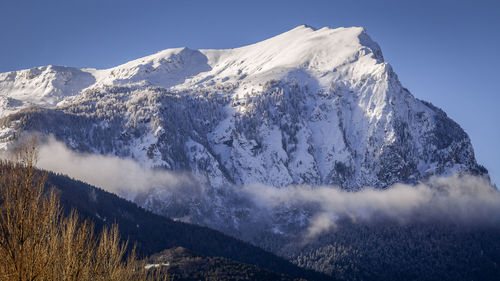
(37, 242)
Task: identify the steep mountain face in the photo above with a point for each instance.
(307, 106)
(315, 107)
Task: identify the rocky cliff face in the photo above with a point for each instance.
(316, 107)
(307, 106)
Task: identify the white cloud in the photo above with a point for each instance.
(124, 177)
(457, 199)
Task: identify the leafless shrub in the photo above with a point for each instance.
(38, 242)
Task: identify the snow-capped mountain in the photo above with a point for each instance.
(316, 107)
(307, 106)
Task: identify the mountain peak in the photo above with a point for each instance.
(319, 55)
(305, 26)
(316, 107)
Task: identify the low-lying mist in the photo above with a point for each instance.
(456, 199)
(124, 177)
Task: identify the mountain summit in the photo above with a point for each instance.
(317, 53)
(306, 106)
(253, 141)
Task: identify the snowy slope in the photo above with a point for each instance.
(318, 107)
(46, 85)
(302, 52)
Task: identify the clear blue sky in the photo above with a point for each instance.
(445, 52)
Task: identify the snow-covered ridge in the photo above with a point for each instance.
(316, 107)
(306, 107)
(303, 53)
(45, 85)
